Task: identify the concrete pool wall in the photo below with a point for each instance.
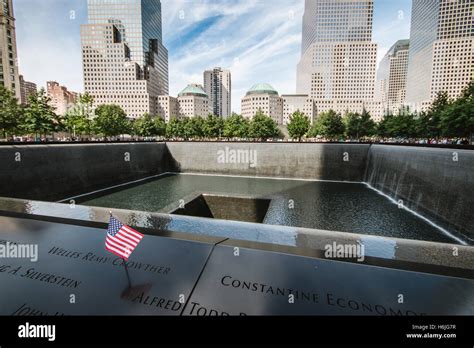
(439, 182)
(339, 162)
(54, 172)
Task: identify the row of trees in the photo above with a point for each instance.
(236, 126)
(445, 118)
(450, 118)
(38, 118)
(332, 125)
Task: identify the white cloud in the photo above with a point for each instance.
(258, 40)
(250, 40)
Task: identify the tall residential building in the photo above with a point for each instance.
(9, 76)
(61, 99)
(218, 86)
(263, 97)
(441, 54)
(193, 101)
(124, 60)
(338, 58)
(298, 102)
(168, 107)
(26, 89)
(392, 77)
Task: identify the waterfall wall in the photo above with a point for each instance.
(437, 183)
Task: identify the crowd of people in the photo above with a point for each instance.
(375, 140)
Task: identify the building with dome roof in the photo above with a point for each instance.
(264, 97)
(193, 101)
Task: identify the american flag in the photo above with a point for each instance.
(121, 240)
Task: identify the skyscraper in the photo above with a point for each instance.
(441, 50)
(9, 76)
(338, 58)
(124, 59)
(218, 86)
(392, 77)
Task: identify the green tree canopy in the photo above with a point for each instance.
(433, 114)
(10, 112)
(144, 126)
(299, 125)
(111, 120)
(40, 118)
(352, 124)
(358, 125)
(403, 125)
(329, 125)
(175, 128)
(213, 126)
(457, 119)
(160, 126)
(236, 126)
(78, 119)
(263, 127)
(193, 127)
(78, 124)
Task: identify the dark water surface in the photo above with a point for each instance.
(336, 206)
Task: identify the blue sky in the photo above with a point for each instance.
(258, 40)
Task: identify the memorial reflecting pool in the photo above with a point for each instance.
(335, 206)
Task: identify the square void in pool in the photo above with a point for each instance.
(226, 208)
(335, 206)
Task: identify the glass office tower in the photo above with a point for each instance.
(124, 59)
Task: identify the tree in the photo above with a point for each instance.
(403, 125)
(144, 126)
(78, 119)
(111, 120)
(10, 112)
(236, 126)
(367, 124)
(441, 102)
(78, 125)
(263, 127)
(352, 125)
(329, 125)
(358, 125)
(175, 128)
(457, 119)
(213, 126)
(193, 127)
(86, 101)
(299, 125)
(40, 118)
(160, 126)
(384, 127)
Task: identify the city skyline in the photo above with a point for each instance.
(190, 32)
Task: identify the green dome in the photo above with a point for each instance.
(193, 90)
(262, 88)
